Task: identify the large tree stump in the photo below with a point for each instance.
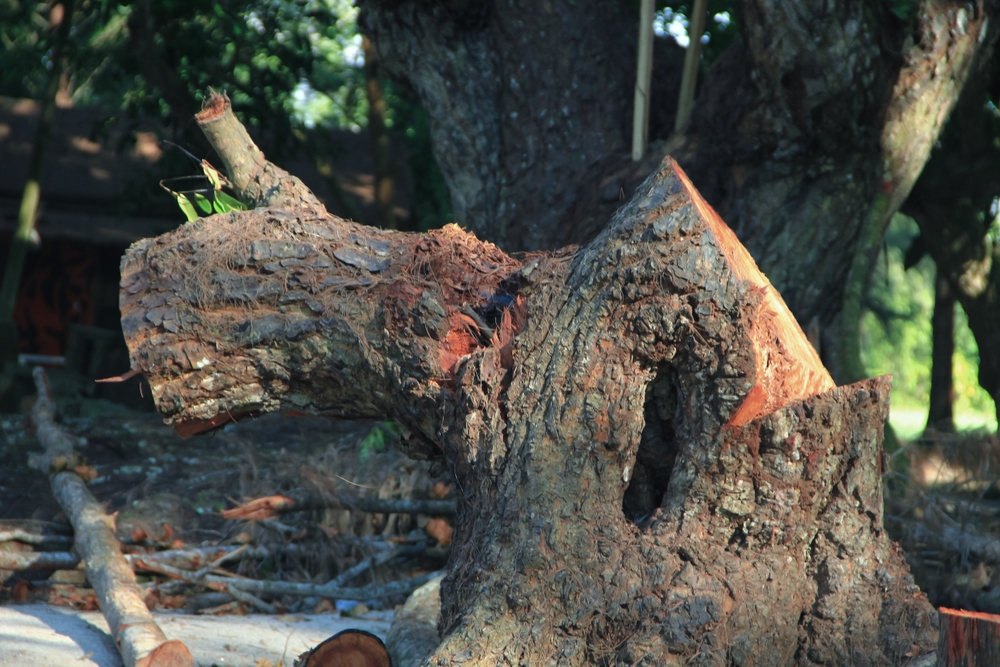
(655, 466)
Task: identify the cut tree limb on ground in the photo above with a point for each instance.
(191, 558)
(654, 463)
(270, 506)
(140, 641)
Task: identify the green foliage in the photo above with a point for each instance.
(283, 64)
(904, 9)
(379, 438)
(216, 201)
(896, 329)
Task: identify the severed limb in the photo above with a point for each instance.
(269, 506)
(140, 641)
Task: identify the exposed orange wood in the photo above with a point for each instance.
(788, 367)
(968, 638)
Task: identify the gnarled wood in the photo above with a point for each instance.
(654, 464)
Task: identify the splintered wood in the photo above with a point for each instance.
(788, 367)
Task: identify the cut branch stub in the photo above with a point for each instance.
(257, 181)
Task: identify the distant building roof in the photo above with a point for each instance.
(94, 159)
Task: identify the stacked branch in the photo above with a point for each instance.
(140, 641)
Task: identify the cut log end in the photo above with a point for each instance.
(968, 638)
(168, 654)
(213, 108)
(788, 367)
(350, 648)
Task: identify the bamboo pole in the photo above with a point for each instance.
(60, 18)
(643, 81)
(140, 641)
(696, 28)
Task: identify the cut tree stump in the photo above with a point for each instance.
(654, 465)
(968, 639)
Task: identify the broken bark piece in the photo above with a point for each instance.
(968, 638)
(350, 648)
(140, 641)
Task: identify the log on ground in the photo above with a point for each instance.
(140, 641)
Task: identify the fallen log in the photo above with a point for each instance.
(350, 648)
(413, 634)
(187, 559)
(140, 641)
(34, 532)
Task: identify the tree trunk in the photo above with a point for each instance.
(656, 467)
(939, 414)
(807, 135)
(952, 204)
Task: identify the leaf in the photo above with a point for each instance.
(186, 206)
(378, 438)
(213, 175)
(233, 203)
(203, 203)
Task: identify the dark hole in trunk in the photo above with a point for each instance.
(657, 450)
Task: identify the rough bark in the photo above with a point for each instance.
(527, 101)
(807, 135)
(655, 465)
(140, 641)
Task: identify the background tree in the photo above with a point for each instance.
(291, 69)
(808, 132)
(955, 204)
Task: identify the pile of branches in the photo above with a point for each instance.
(210, 571)
(942, 506)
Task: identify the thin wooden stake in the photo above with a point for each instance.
(643, 81)
(696, 28)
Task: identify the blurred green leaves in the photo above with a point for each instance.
(285, 65)
(896, 329)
